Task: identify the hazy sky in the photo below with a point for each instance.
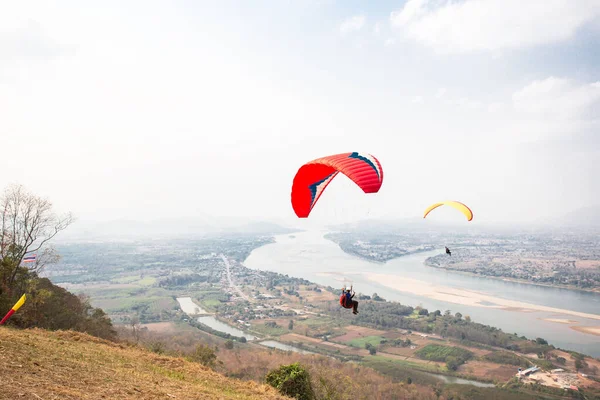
(151, 109)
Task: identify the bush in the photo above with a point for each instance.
(157, 347)
(204, 355)
(292, 380)
(54, 308)
(452, 363)
(541, 341)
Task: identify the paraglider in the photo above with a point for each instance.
(456, 204)
(347, 300)
(448, 251)
(313, 177)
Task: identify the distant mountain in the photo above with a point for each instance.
(168, 228)
(262, 227)
(588, 217)
(406, 225)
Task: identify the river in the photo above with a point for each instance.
(223, 327)
(407, 280)
(193, 310)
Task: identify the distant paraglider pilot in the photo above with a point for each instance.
(347, 301)
(448, 251)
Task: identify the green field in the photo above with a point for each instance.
(361, 342)
(209, 304)
(267, 330)
(437, 352)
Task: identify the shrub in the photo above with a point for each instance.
(157, 347)
(541, 341)
(204, 355)
(292, 380)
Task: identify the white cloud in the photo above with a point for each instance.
(557, 98)
(440, 93)
(377, 28)
(546, 109)
(352, 24)
(390, 42)
(418, 100)
(475, 25)
(468, 103)
(496, 107)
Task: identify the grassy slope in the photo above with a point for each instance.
(70, 365)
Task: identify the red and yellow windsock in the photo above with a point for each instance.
(14, 309)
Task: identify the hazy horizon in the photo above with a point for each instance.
(151, 110)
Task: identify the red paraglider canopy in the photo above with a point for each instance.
(313, 177)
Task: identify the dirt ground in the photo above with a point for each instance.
(294, 337)
(587, 263)
(355, 332)
(311, 296)
(439, 365)
(488, 370)
(161, 327)
(474, 350)
(401, 351)
(570, 363)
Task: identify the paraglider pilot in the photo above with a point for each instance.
(448, 251)
(347, 301)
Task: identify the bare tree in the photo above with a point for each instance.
(27, 224)
(135, 327)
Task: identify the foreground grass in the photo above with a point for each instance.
(71, 365)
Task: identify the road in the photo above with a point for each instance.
(231, 284)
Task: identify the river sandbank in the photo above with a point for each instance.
(515, 280)
(465, 297)
(592, 330)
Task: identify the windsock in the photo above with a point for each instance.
(13, 309)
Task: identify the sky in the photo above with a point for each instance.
(145, 110)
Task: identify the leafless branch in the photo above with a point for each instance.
(28, 223)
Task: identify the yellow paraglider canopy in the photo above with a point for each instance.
(456, 204)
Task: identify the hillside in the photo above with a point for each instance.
(70, 365)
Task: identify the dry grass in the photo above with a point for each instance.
(165, 327)
(487, 370)
(312, 297)
(38, 364)
(293, 337)
(330, 378)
